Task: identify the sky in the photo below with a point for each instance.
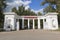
(34, 5)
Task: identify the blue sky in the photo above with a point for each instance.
(33, 4)
(36, 4)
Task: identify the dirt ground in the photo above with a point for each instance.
(30, 35)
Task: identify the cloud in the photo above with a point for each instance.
(26, 7)
(19, 2)
(16, 3)
(36, 11)
(26, 3)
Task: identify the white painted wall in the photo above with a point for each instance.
(11, 23)
(50, 24)
(51, 21)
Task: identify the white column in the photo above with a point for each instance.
(17, 25)
(22, 23)
(28, 24)
(5, 23)
(33, 24)
(38, 23)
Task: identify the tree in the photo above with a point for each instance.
(49, 9)
(2, 6)
(22, 12)
(51, 3)
(14, 10)
(39, 13)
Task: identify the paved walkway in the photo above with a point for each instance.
(30, 35)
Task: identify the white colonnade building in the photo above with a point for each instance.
(49, 21)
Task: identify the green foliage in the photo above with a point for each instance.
(39, 13)
(14, 10)
(51, 9)
(2, 6)
(53, 2)
(49, 1)
(21, 11)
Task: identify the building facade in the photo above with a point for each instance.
(49, 21)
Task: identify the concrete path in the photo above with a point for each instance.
(30, 35)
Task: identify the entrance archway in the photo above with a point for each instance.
(51, 21)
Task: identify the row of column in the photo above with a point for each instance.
(28, 24)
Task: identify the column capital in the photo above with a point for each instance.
(22, 18)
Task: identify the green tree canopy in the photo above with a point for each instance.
(39, 14)
(2, 6)
(21, 11)
(49, 9)
(53, 2)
